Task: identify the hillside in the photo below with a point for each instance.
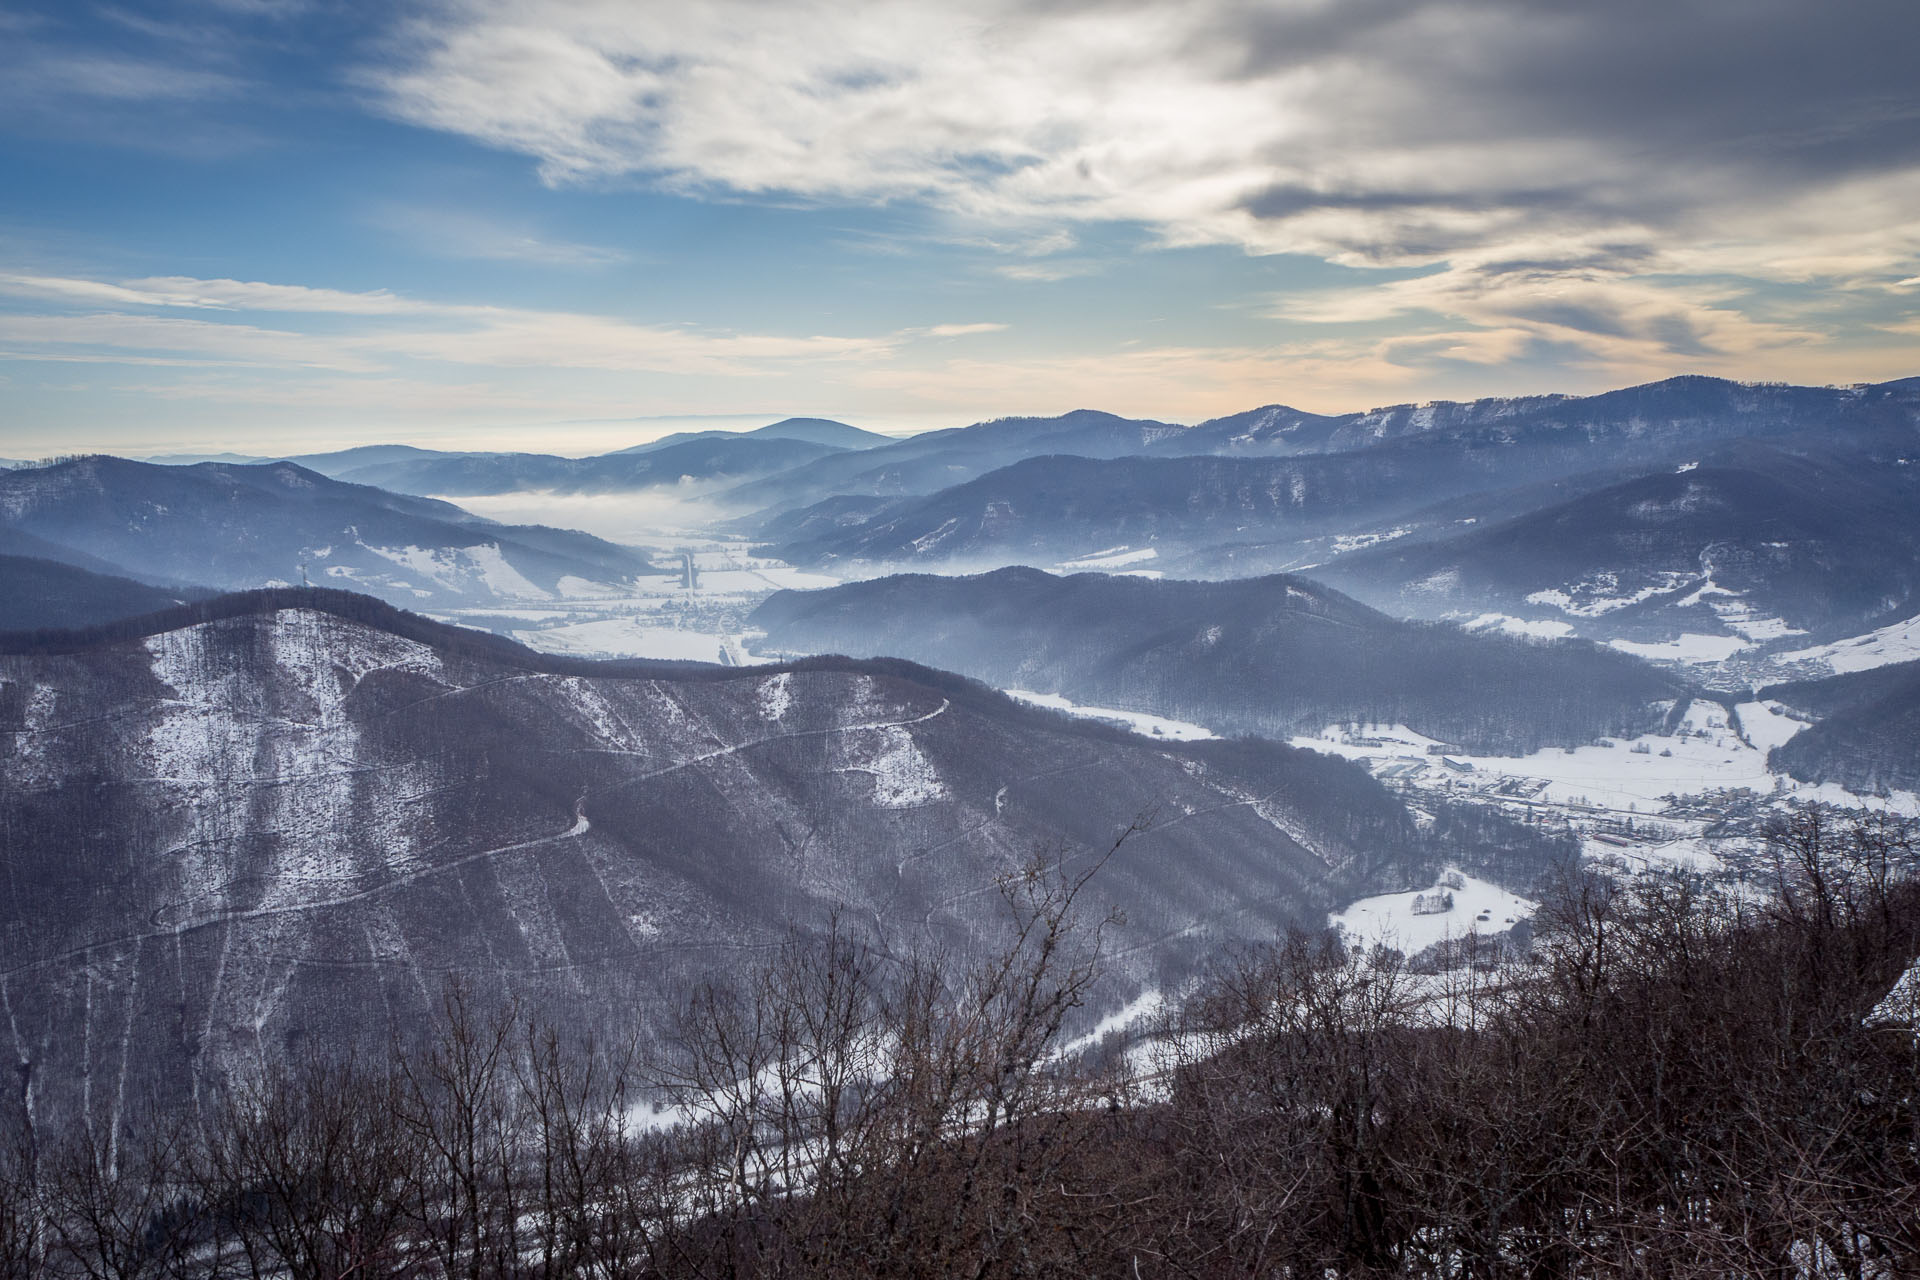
(1637, 422)
(1752, 542)
(935, 460)
(707, 458)
(1868, 736)
(285, 818)
(236, 527)
(1366, 485)
(820, 431)
(38, 593)
(1274, 656)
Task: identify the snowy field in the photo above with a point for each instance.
(1899, 642)
(1691, 648)
(1545, 629)
(1706, 754)
(633, 638)
(653, 616)
(1392, 920)
(1139, 721)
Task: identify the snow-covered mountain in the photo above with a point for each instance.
(1749, 546)
(288, 818)
(1683, 412)
(234, 527)
(1802, 520)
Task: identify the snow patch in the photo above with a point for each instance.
(776, 696)
(1896, 642)
(903, 777)
(1548, 630)
(1691, 647)
(1390, 919)
(1705, 754)
(502, 578)
(575, 588)
(628, 638)
(1355, 541)
(1602, 594)
(928, 541)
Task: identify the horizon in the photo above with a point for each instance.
(667, 425)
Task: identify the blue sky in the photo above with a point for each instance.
(273, 225)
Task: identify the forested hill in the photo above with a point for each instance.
(36, 592)
(237, 527)
(1275, 656)
(1868, 737)
(287, 818)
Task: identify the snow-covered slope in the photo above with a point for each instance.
(290, 824)
(237, 527)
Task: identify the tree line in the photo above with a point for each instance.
(1672, 1081)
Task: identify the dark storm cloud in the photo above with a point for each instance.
(1759, 93)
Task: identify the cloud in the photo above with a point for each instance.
(959, 330)
(461, 234)
(118, 79)
(1620, 320)
(113, 337)
(221, 295)
(1650, 140)
(396, 328)
(1047, 272)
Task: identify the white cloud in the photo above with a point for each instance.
(221, 295)
(396, 328)
(1630, 323)
(107, 336)
(1361, 132)
(450, 233)
(1644, 142)
(110, 78)
(1047, 272)
(960, 330)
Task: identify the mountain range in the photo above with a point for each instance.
(1399, 506)
(1750, 541)
(1201, 495)
(1275, 656)
(702, 459)
(231, 526)
(696, 457)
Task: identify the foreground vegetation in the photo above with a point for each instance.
(1672, 1081)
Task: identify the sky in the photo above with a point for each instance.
(570, 225)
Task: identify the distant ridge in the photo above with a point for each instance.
(40, 593)
(821, 431)
(377, 614)
(1275, 656)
